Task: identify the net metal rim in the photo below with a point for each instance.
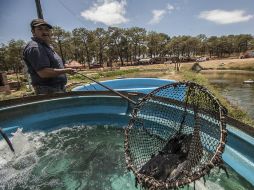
(215, 161)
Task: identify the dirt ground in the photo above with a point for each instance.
(210, 64)
(168, 71)
(228, 63)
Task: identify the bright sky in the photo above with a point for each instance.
(173, 17)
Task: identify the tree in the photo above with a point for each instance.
(84, 44)
(61, 40)
(243, 41)
(14, 56)
(101, 42)
(3, 64)
(131, 44)
(174, 46)
(202, 47)
(117, 43)
(137, 37)
(212, 45)
(156, 43)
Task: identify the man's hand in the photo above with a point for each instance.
(71, 71)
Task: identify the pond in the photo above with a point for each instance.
(230, 85)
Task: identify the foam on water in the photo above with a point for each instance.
(16, 167)
(80, 157)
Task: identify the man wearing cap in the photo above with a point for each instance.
(45, 66)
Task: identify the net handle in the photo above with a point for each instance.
(110, 89)
(6, 138)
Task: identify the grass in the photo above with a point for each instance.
(23, 91)
(245, 68)
(101, 74)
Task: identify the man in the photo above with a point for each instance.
(45, 66)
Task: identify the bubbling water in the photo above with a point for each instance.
(79, 157)
(15, 167)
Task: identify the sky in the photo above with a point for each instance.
(172, 17)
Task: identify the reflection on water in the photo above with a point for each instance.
(82, 158)
(230, 84)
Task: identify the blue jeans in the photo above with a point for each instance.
(49, 89)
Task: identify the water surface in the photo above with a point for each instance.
(82, 158)
(230, 85)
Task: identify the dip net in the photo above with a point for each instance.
(176, 135)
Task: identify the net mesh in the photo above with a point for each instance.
(176, 135)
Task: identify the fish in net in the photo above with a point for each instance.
(176, 135)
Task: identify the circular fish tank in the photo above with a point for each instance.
(76, 141)
(143, 85)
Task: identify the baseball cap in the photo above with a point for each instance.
(39, 22)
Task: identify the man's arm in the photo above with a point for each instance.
(51, 72)
(38, 58)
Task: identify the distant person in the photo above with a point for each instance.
(45, 66)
